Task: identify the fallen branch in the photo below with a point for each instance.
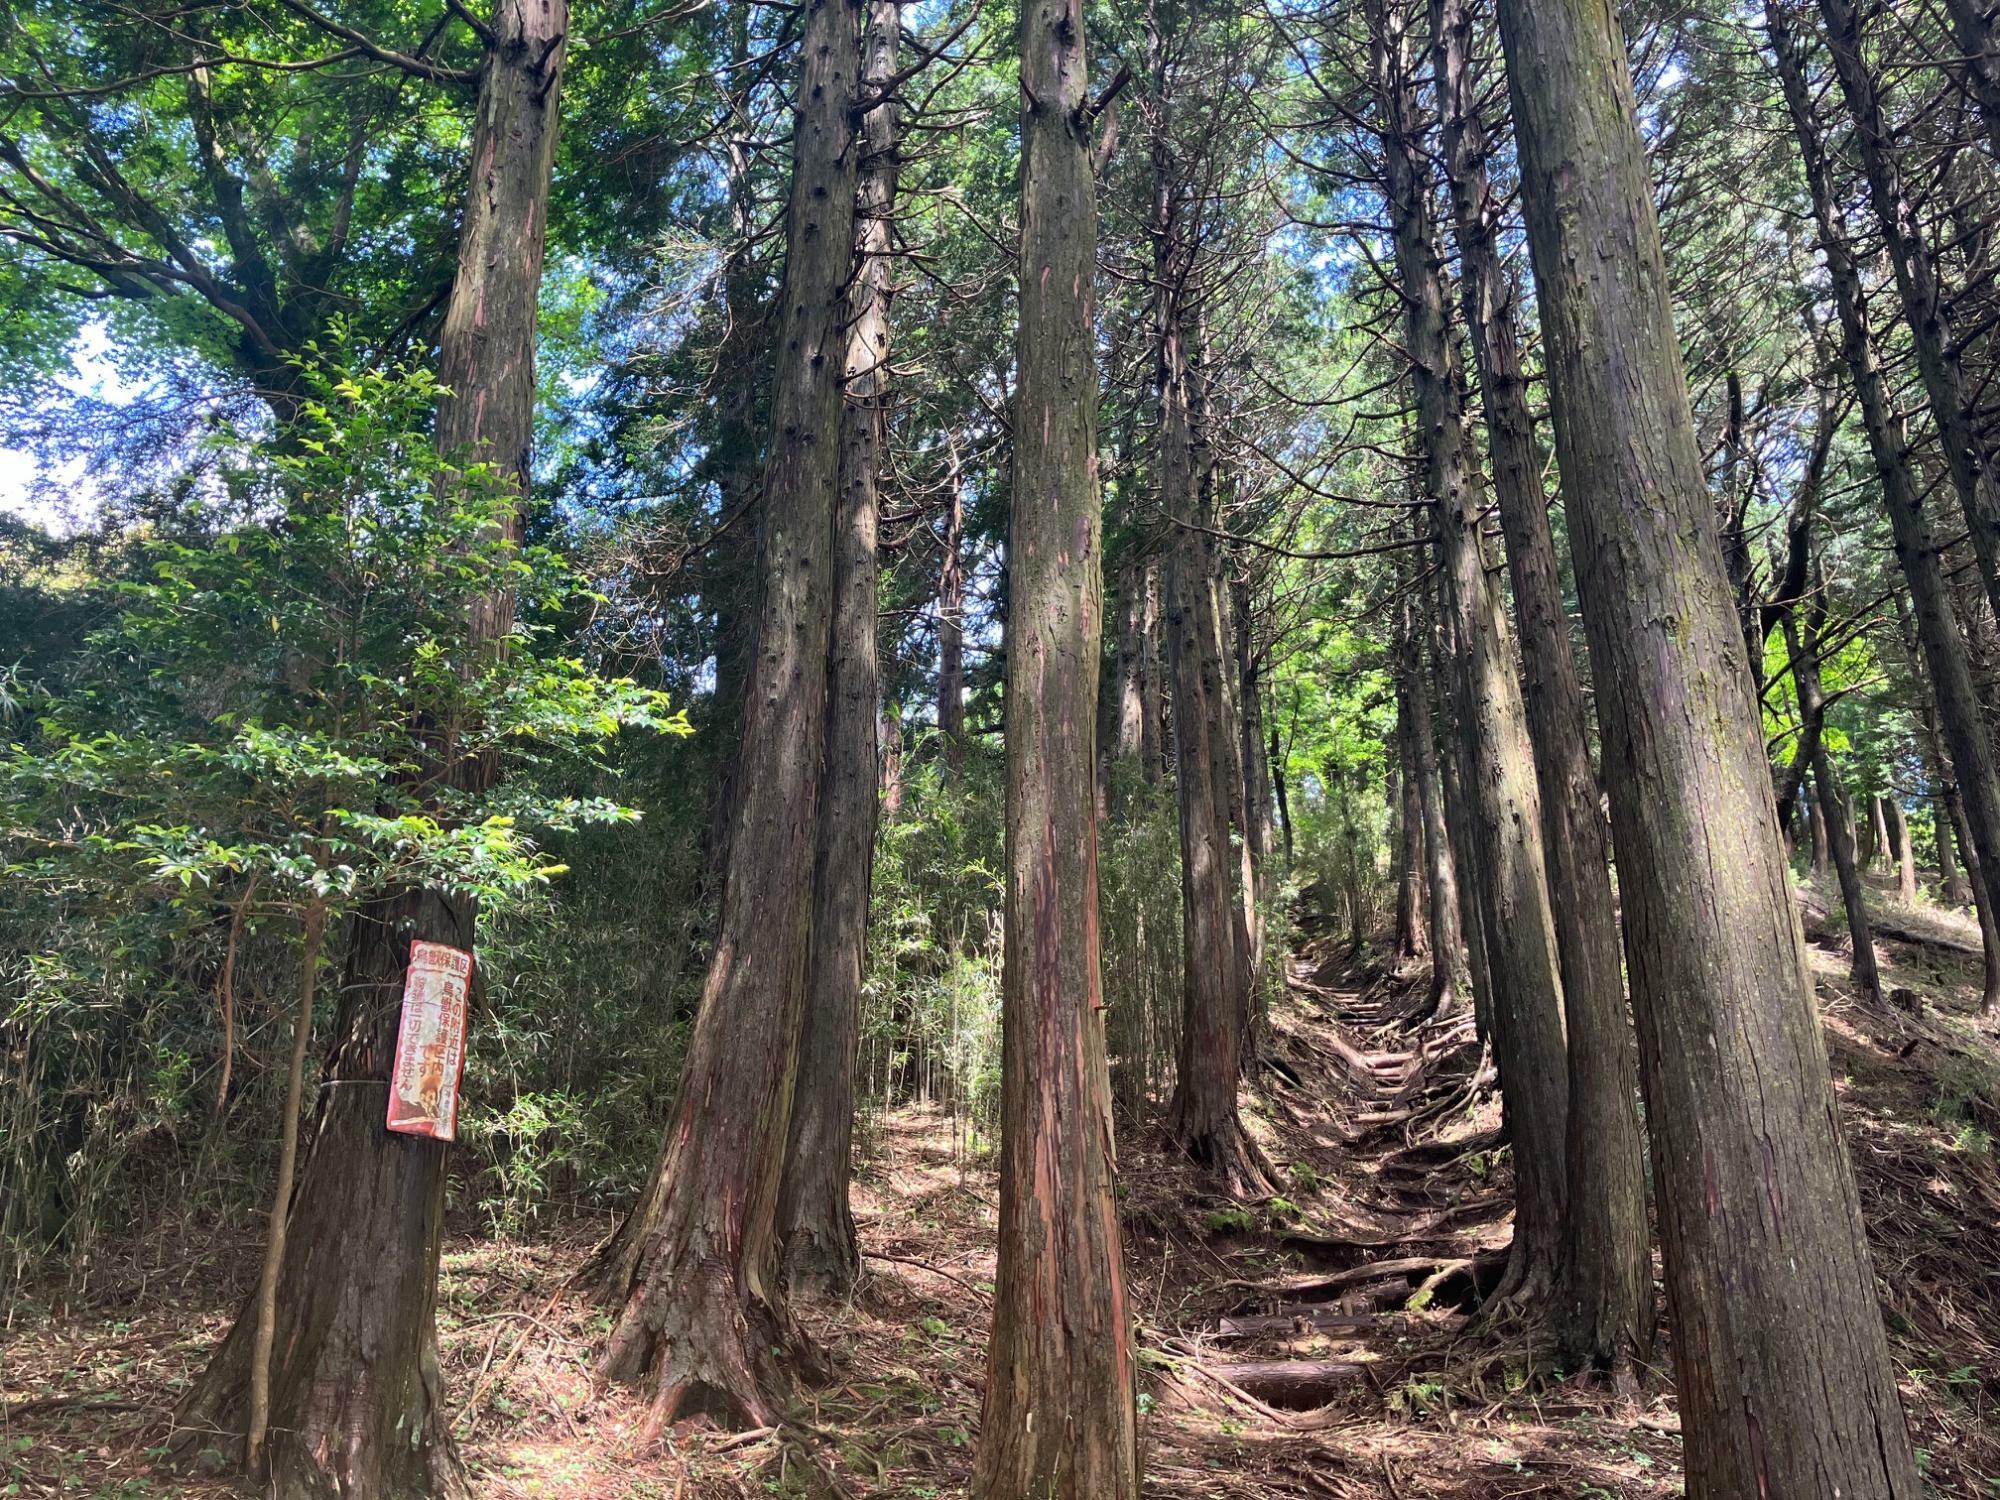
(924, 1265)
(1414, 1265)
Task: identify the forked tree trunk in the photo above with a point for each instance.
(1963, 728)
(356, 1398)
(1503, 800)
(1880, 852)
(1604, 1313)
(1203, 1116)
(1925, 307)
(1784, 1380)
(695, 1264)
(1060, 1414)
(815, 1224)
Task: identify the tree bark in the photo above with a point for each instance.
(729, 575)
(1965, 733)
(695, 1265)
(815, 1222)
(1924, 305)
(1783, 1367)
(356, 1399)
(1060, 1414)
(1604, 1313)
(1503, 799)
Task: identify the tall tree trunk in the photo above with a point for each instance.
(1128, 714)
(1228, 698)
(1604, 1313)
(1972, 29)
(281, 1198)
(1450, 979)
(1257, 840)
(1947, 815)
(1757, 1201)
(951, 637)
(1944, 817)
(1965, 733)
(1503, 799)
(1411, 939)
(1153, 675)
(729, 576)
(1906, 857)
(1277, 765)
(1060, 1414)
(1924, 303)
(815, 1223)
(356, 1398)
(1804, 644)
(892, 760)
(1452, 778)
(1833, 802)
(695, 1265)
(1215, 937)
(1215, 997)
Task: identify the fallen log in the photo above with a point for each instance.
(1293, 1384)
(1312, 1317)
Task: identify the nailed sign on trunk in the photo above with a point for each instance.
(430, 1046)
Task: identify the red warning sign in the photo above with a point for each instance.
(430, 1045)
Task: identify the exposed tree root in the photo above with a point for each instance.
(704, 1343)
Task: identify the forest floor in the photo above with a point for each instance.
(1313, 1344)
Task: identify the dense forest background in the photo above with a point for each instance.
(552, 481)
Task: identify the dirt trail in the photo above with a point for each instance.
(1312, 1344)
